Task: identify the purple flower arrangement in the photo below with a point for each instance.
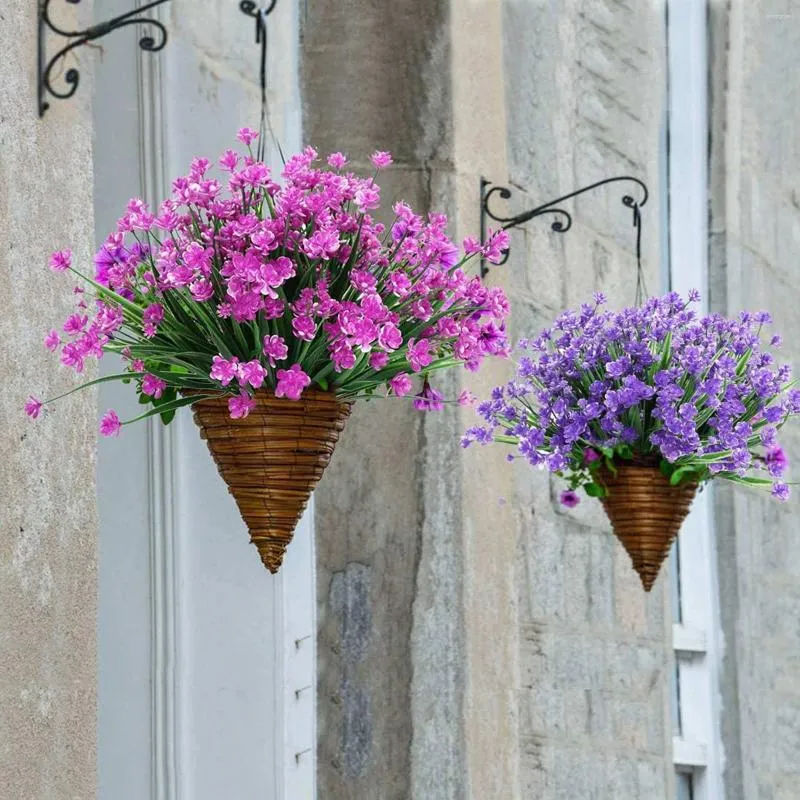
(285, 285)
(701, 397)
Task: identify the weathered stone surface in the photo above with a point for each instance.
(755, 219)
(49, 525)
(584, 85)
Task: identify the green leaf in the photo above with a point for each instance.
(180, 403)
(595, 490)
(611, 466)
(105, 379)
(680, 474)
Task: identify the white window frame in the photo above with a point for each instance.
(292, 592)
(696, 634)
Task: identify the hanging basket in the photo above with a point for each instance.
(272, 459)
(646, 513)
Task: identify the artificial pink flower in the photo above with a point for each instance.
(400, 384)
(275, 349)
(429, 399)
(241, 405)
(419, 355)
(75, 324)
(378, 360)
(291, 382)
(33, 407)
(495, 249)
(52, 341)
(337, 160)
(229, 160)
(153, 386)
(471, 246)
(61, 260)
(466, 398)
(110, 424)
(380, 159)
(304, 328)
(151, 318)
(390, 337)
(223, 370)
(247, 136)
(251, 372)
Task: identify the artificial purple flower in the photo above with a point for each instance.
(776, 460)
(781, 491)
(569, 498)
(110, 424)
(590, 455)
(657, 379)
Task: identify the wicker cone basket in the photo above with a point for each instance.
(646, 513)
(272, 459)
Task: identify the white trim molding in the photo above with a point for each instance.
(697, 638)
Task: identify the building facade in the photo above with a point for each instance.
(456, 633)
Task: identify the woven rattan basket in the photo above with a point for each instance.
(646, 513)
(272, 459)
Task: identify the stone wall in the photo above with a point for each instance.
(415, 596)
(754, 257)
(47, 497)
(585, 84)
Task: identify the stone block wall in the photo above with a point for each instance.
(755, 264)
(585, 91)
(48, 523)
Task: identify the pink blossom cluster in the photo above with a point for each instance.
(240, 282)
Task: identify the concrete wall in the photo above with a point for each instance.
(416, 603)
(755, 251)
(47, 497)
(475, 640)
(585, 87)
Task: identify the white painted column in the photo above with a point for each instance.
(207, 662)
(697, 638)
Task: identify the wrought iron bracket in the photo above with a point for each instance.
(564, 221)
(79, 38)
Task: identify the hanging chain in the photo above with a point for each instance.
(641, 287)
(265, 125)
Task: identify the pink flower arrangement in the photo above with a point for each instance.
(252, 284)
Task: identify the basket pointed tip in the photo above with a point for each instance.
(647, 579)
(271, 555)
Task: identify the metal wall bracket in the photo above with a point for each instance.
(564, 221)
(78, 39)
